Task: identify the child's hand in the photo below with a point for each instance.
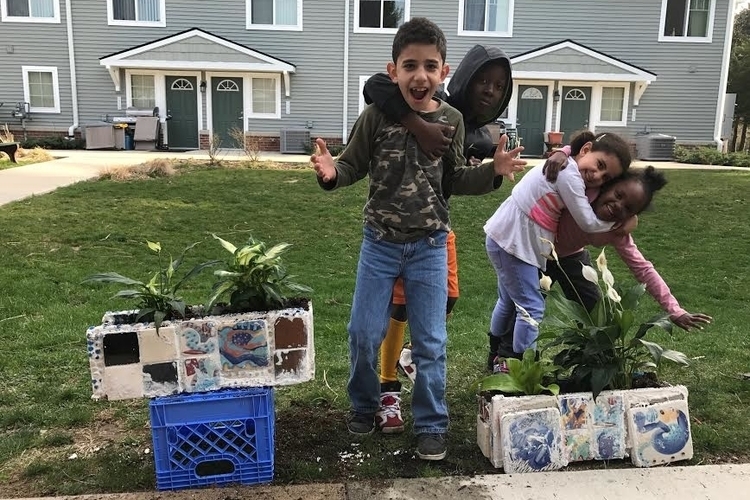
(626, 227)
(506, 162)
(323, 161)
(688, 321)
(434, 139)
(556, 162)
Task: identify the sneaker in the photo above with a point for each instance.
(360, 424)
(388, 417)
(431, 446)
(406, 365)
(499, 365)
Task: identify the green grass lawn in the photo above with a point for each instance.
(698, 236)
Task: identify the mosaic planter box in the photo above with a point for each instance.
(256, 349)
(540, 433)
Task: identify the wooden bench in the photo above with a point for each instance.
(10, 149)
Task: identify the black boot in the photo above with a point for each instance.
(495, 343)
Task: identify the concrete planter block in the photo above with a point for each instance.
(256, 349)
(652, 426)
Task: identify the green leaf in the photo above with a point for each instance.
(553, 388)
(112, 278)
(218, 292)
(155, 247)
(158, 319)
(128, 294)
(625, 320)
(227, 274)
(676, 357)
(500, 382)
(178, 261)
(227, 246)
(601, 377)
(629, 299)
(571, 310)
(178, 306)
(194, 272)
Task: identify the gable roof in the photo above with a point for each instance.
(569, 60)
(215, 53)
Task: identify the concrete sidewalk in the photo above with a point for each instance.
(711, 482)
(71, 166)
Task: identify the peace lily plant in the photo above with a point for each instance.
(604, 347)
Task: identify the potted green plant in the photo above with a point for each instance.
(159, 298)
(263, 335)
(255, 278)
(603, 354)
(604, 348)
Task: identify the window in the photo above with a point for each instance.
(30, 11)
(383, 16)
(274, 14)
(485, 18)
(613, 106)
(40, 89)
(137, 12)
(265, 96)
(687, 20)
(142, 91)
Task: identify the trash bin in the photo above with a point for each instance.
(129, 143)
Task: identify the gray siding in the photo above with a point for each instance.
(570, 60)
(681, 102)
(34, 44)
(195, 49)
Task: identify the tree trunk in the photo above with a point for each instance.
(743, 136)
(733, 142)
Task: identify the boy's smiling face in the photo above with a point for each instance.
(419, 71)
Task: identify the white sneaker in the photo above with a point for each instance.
(388, 417)
(406, 365)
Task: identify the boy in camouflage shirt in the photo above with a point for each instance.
(406, 223)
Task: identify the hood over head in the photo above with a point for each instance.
(458, 88)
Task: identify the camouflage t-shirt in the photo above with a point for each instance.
(406, 201)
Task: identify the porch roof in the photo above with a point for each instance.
(195, 49)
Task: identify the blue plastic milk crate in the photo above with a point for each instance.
(213, 438)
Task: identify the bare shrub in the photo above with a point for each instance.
(152, 169)
(214, 145)
(250, 146)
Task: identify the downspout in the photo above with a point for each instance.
(724, 78)
(72, 59)
(345, 117)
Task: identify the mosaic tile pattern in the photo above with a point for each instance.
(660, 433)
(244, 350)
(519, 434)
(532, 441)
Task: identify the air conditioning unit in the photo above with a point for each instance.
(295, 140)
(655, 147)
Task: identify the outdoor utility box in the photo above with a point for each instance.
(99, 135)
(213, 438)
(655, 147)
(294, 141)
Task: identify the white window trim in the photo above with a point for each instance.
(248, 84)
(55, 87)
(160, 90)
(4, 17)
(596, 104)
(512, 120)
(272, 27)
(492, 34)
(687, 39)
(162, 23)
(358, 29)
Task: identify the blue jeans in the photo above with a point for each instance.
(517, 283)
(423, 265)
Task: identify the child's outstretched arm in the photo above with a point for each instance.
(645, 272)
(322, 162)
(354, 162)
(433, 138)
(507, 163)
